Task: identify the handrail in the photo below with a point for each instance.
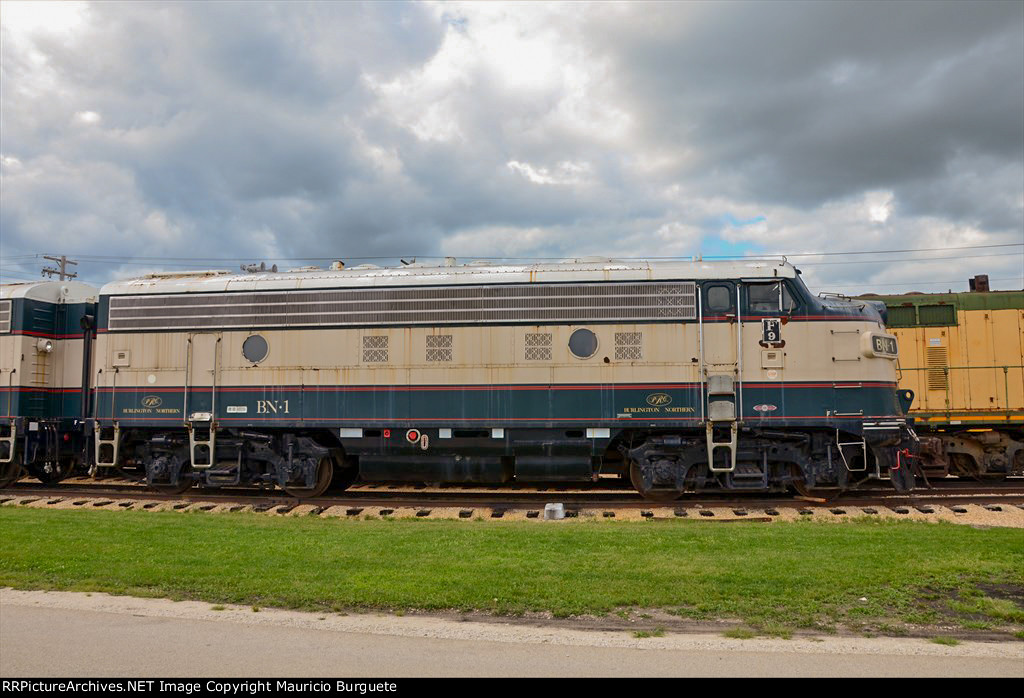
(946, 371)
(213, 399)
(739, 353)
(700, 339)
(188, 361)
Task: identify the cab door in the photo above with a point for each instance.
(719, 328)
(202, 374)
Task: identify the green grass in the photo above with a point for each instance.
(997, 609)
(657, 632)
(740, 633)
(771, 577)
(945, 640)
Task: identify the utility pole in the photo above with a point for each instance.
(62, 271)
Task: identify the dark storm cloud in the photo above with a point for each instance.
(807, 102)
(248, 130)
(229, 119)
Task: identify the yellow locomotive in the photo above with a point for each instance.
(962, 355)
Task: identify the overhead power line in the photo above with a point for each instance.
(124, 259)
(911, 283)
(914, 259)
(919, 249)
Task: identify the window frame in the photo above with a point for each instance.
(784, 291)
(730, 288)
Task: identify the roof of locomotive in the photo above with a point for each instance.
(476, 273)
(966, 300)
(51, 291)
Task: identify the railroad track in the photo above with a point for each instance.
(387, 499)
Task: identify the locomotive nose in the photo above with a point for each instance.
(882, 311)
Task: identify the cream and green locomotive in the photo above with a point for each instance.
(678, 376)
(45, 340)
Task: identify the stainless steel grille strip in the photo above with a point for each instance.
(424, 306)
(5, 316)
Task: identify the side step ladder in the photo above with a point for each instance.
(11, 440)
(722, 409)
(225, 476)
(202, 441)
(107, 442)
(864, 450)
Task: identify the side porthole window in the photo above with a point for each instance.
(255, 348)
(583, 344)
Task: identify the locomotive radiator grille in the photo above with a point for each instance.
(937, 361)
(421, 306)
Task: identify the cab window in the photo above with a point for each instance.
(769, 298)
(719, 299)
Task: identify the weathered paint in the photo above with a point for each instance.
(493, 405)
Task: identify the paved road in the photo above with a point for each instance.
(144, 638)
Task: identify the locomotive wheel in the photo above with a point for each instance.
(815, 492)
(967, 467)
(184, 484)
(62, 470)
(50, 478)
(637, 479)
(343, 478)
(324, 473)
(803, 490)
(9, 473)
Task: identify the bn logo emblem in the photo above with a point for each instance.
(659, 399)
(152, 401)
(771, 330)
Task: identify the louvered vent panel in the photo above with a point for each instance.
(439, 347)
(901, 316)
(375, 349)
(937, 361)
(629, 346)
(937, 315)
(5, 316)
(426, 305)
(538, 347)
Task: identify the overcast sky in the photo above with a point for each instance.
(152, 135)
